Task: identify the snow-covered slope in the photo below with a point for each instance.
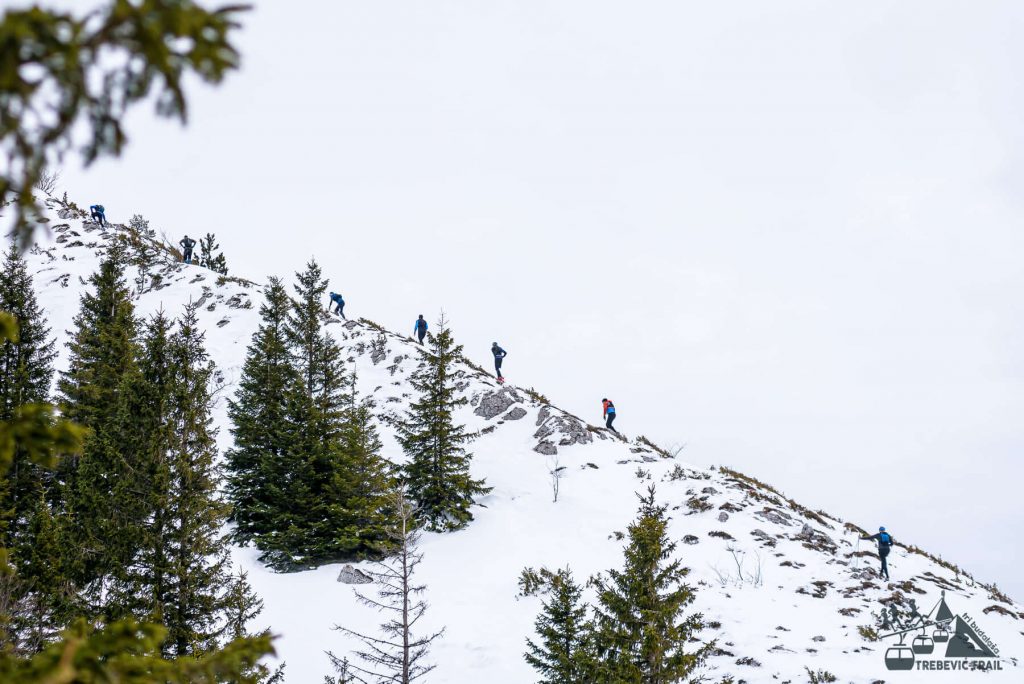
(804, 588)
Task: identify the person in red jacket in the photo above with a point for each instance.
(609, 414)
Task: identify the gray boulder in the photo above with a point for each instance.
(495, 403)
(515, 414)
(546, 448)
(567, 429)
(350, 575)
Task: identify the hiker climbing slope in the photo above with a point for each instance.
(187, 244)
(98, 214)
(420, 328)
(339, 303)
(609, 414)
(499, 356)
(885, 543)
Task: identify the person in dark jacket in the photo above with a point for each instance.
(420, 328)
(187, 244)
(98, 215)
(339, 303)
(609, 414)
(499, 356)
(885, 543)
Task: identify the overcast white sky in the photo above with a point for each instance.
(788, 234)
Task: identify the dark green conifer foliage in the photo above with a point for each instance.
(242, 606)
(362, 512)
(437, 474)
(45, 599)
(148, 434)
(306, 477)
(26, 365)
(317, 404)
(195, 598)
(26, 370)
(564, 654)
(100, 505)
(103, 345)
(642, 634)
(262, 467)
(210, 257)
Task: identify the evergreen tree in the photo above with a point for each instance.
(123, 651)
(195, 600)
(100, 504)
(242, 606)
(26, 365)
(209, 257)
(265, 471)
(437, 473)
(316, 406)
(103, 345)
(361, 512)
(641, 632)
(44, 599)
(148, 435)
(398, 654)
(565, 653)
(26, 370)
(306, 479)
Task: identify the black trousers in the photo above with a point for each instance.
(99, 218)
(187, 255)
(608, 423)
(341, 310)
(883, 553)
(421, 334)
(497, 365)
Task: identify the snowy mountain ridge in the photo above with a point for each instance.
(782, 587)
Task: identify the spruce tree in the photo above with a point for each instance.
(316, 405)
(641, 631)
(361, 513)
(103, 345)
(264, 468)
(148, 433)
(100, 505)
(26, 370)
(195, 600)
(437, 473)
(306, 478)
(209, 257)
(565, 652)
(241, 607)
(46, 599)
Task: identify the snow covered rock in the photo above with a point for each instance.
(546, 448)
(517, 413)
(495, 403)
(350, 575)
(570, 429)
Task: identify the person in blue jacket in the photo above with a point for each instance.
(340, 303)
(499, 356)
(96, 210)
(420, 328)
(885, 543)
(609, 414)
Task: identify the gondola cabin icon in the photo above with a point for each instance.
(918, 635)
